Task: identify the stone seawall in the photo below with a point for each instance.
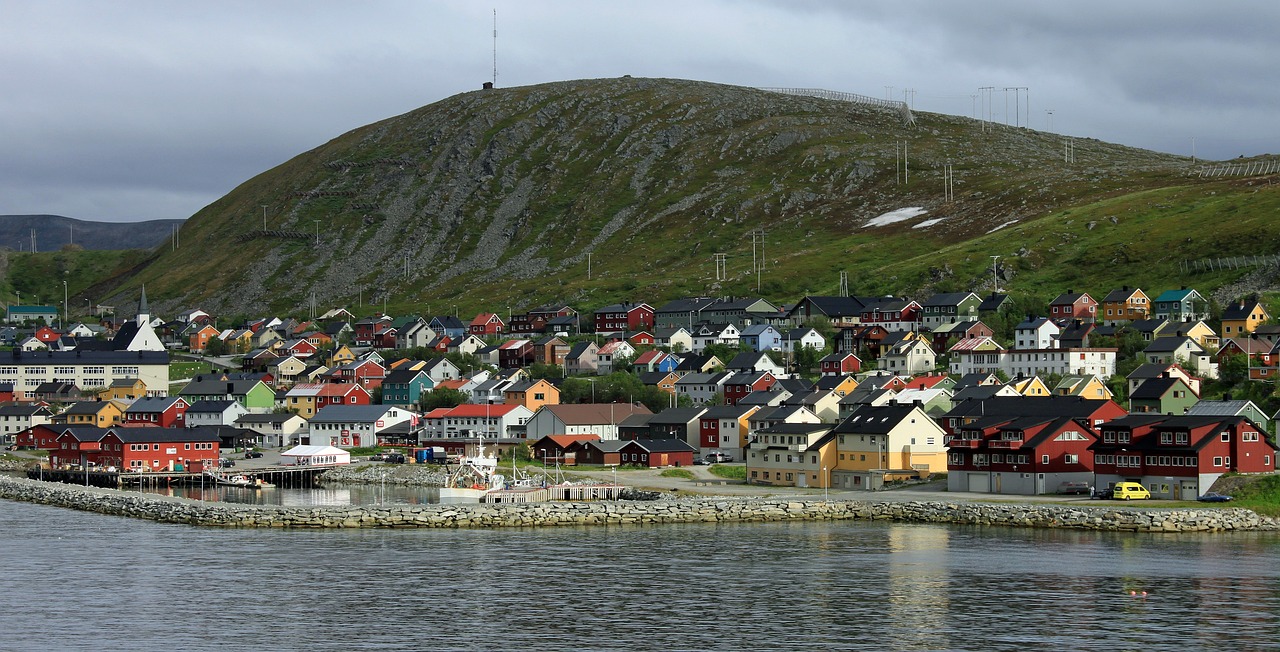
(177, 510)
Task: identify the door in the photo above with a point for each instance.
(980, 483)
(999, 482)
(802, 479)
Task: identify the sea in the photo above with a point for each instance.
(83, 581)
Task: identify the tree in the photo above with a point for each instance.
(441, 397)
(215, 347)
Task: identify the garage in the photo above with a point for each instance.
(979, 483)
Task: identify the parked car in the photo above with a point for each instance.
(252, 455)
(1213, 497)
(1102, 493)
(1073, 487)
(377, 457)
(717, 458)
(393, 458)
(224, 463)
(1130, 491)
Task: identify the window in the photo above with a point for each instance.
(1071, 459)
(1044, 459)
(1226, 436)
(1217, 461)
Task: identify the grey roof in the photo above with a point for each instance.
(210, 407)
(272, 417)
(677, 415)
(73, 358)
(153, 404)
(350, 413)
(874, 419)
(1231, 408)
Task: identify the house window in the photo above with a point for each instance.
(1071, 459)
(1217, 461)
(1044, 459)
(1226, 437)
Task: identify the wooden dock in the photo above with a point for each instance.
(283, 476)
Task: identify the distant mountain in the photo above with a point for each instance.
(54, 232)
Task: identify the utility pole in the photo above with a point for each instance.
(721, 272)
(264, 217)
(844, 284)
(588, 265)
(1049, 112)
(995, 278)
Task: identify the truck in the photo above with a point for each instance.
(431, 455)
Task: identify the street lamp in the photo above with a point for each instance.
(825, 494)
(65, 311)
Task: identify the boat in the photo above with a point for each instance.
(239, 480)
(475, 476)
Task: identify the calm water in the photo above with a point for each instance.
(76, 581)
(329, 496)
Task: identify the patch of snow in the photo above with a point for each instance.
(1002, 226)
(928, 223)
(893, 217)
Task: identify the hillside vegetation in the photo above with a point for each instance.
(604, 190)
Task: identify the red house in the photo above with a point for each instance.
(486, 323)
(624, 317)
(137, 449)
(366, 373)
(341, 394)
(558, 449)
(535, 321)
(156, 412)
(1180, 457)
(1073, 305)
(47, 335)
(641, 338)
(840, 364)
(366, 329)
(515, 354)
(737, 386)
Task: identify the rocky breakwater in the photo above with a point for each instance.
(701, 510)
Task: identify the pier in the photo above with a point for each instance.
(283, 476)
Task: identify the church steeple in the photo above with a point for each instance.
(142, 303)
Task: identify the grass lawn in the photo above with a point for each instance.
(730, 471)
(187, 369)
(678, 473)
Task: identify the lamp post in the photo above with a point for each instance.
(65, 311)
(825, 484)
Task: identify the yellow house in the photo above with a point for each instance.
(1032, 386)
(125, 389)
(1125, 304)
(1196, 330)
(785, 455)
(340, 356)
(841, 385)
(532, 395)
(883, 443)
(1242, 317)
(97, 414)
(1086, 386)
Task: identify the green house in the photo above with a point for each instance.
(1163, 395)
(251, 393)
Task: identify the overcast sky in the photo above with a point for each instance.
(125, 111)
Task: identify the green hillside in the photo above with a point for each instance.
(604, 190)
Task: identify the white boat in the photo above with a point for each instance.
(475, 476)
(239, 480)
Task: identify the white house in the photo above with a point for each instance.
(355, 425)
(1036, 333)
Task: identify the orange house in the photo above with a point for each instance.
(532, 394)
(200, 339)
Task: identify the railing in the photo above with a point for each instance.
(965, 443)
(901, 107)
(1005, 443)
(1249, 168)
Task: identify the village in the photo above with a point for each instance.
(841, 392)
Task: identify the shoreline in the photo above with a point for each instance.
(167, 509)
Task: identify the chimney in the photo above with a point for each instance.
(1226, 396)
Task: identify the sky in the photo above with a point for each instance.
(148, 109)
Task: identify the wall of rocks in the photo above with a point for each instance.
(177, 510)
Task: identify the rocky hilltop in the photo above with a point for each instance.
(602, 190)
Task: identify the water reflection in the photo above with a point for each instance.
(327, 496)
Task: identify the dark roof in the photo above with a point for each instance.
(1154, 388)
(1018, 406)
(273, 417)
(210, 407)
(1238, 310)
(665, 445)
(1168, 344)
(794, 428)
(976, 392)
(945, 299)
(874, 419)
(727, 411)
(402, 376)
(160, 435)
(153, 404)
(993, 302)
(23, 410)
(88, 357)
(793, 385)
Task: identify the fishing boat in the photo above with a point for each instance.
(475, 476)
(239, 480)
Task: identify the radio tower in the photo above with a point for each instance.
(495, 47)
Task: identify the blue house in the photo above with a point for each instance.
(448, 325)
(1181, 305)
(761, 337)
(403, 387)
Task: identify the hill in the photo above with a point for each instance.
(603, 190)
(53, 232)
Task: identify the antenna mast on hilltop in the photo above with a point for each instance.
(495, 47)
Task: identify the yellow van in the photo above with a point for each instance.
(1130, 491)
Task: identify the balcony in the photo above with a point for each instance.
(1008, 444)
(965, 443)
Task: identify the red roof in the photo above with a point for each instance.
(483, 318)
(474, 410)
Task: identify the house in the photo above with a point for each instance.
(909, 356)
(404, 387)
(1087, 386)
(1035, 333)
(1030, 386)
(1242, 318)
(879, 444)
(199, 340)
(1181, 305)
(663, 380)
(695, 363)
(157, 411)
(1125, 304)
(839, 311)
(755, 361)
(677, 423)
(125, 389)
(31, 314)
(893, 314)
(550, 350)
(838, 385)
(700, 388)
(1260, 355)
(367, 329)
(611, 351)
(803, 338)
(306, 399)
(582, 358)
(1181, 350)
(768, 417)
(414, 333)
(449, 326)
(558, 449)
(355, 425)
(1075, 334)
(948, 307)
(317, 455)
(215, 413)
(840, 364)
(635, 426)
(1180, 457)
(536, 320)
(251, 393)
(1229, 408)
(275, 430)
(86, 369)
(624, 317)
(761, 337)
(599, 419)
(442, 369)
(1030, 454)
(681, 312)
(652, 453)
(742, 311)
(1165, 395)
(1150, 370)
(1074, 305)
(707, 334)
(946, 335)
(786, 455)
(58, 392)
(515, 354)
(98, 414)
(724, 428)
(738, 385)
(654, 360)
(824, 404)
(532, 394)
(368, 374)
(138, 449)
(677, 339)
(486, 324)
(17, 418)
